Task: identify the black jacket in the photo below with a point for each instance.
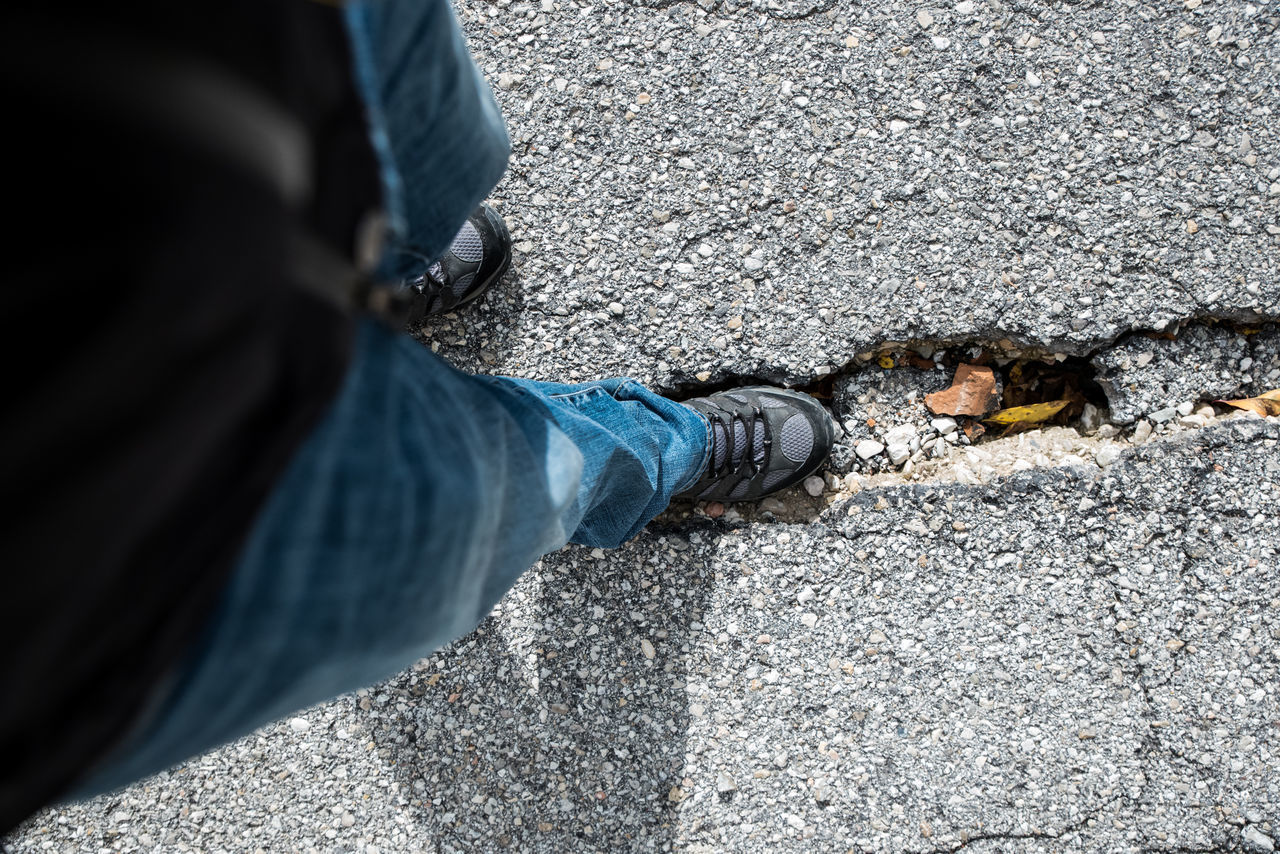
(162, 357)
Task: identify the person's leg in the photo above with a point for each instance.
(425, 493)
(404, 518)
(437, 130)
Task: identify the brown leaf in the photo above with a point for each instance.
(972, 392)
(1264, 404)
(917, 361)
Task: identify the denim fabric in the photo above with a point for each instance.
(404, 518)
(425, 492)
(433, 121)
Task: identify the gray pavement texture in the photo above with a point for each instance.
(1144, 375)
(1076, 651)
(1069, 659)
(726, 191)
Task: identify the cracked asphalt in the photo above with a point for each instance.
(1076, 658)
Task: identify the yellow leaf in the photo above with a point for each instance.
(1264, 404)
(1032, 414)
(885, 361)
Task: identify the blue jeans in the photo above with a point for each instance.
(424, 492)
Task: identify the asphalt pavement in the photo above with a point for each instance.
(1064, 640)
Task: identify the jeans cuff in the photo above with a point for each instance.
(702, 466)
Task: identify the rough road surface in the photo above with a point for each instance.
(1078, 650)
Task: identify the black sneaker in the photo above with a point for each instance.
(478, 257)
(762, 440)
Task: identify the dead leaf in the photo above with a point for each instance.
(1036, 382)
(917, 361)
(1036, 413)
(1264, 404)
(972, 392)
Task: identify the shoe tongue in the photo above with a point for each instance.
(720, 444)
(740, 443)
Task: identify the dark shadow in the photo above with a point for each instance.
(457, 335)
(561, 723)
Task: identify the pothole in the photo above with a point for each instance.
(889, 436)
(895, 414)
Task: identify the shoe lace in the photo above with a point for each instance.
(726, 420)
(431, 286)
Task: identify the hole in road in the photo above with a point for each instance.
(1020, 381)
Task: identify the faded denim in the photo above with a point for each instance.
(425, 492)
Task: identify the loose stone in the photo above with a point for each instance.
(868, 448)
(945, 426)
(1106, 455)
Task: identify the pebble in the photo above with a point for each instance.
(299, 724)
(725, 783)
(898, 454)
(924, 19)
(1162, 415)
(945, 426)
(900, 435)
(814, 485)
(616, 309)
(1256, 840)
(1106, 455)
(868, 448)
(1141, 432)
(646, 648)
(1090, 418)
(1186, 407)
